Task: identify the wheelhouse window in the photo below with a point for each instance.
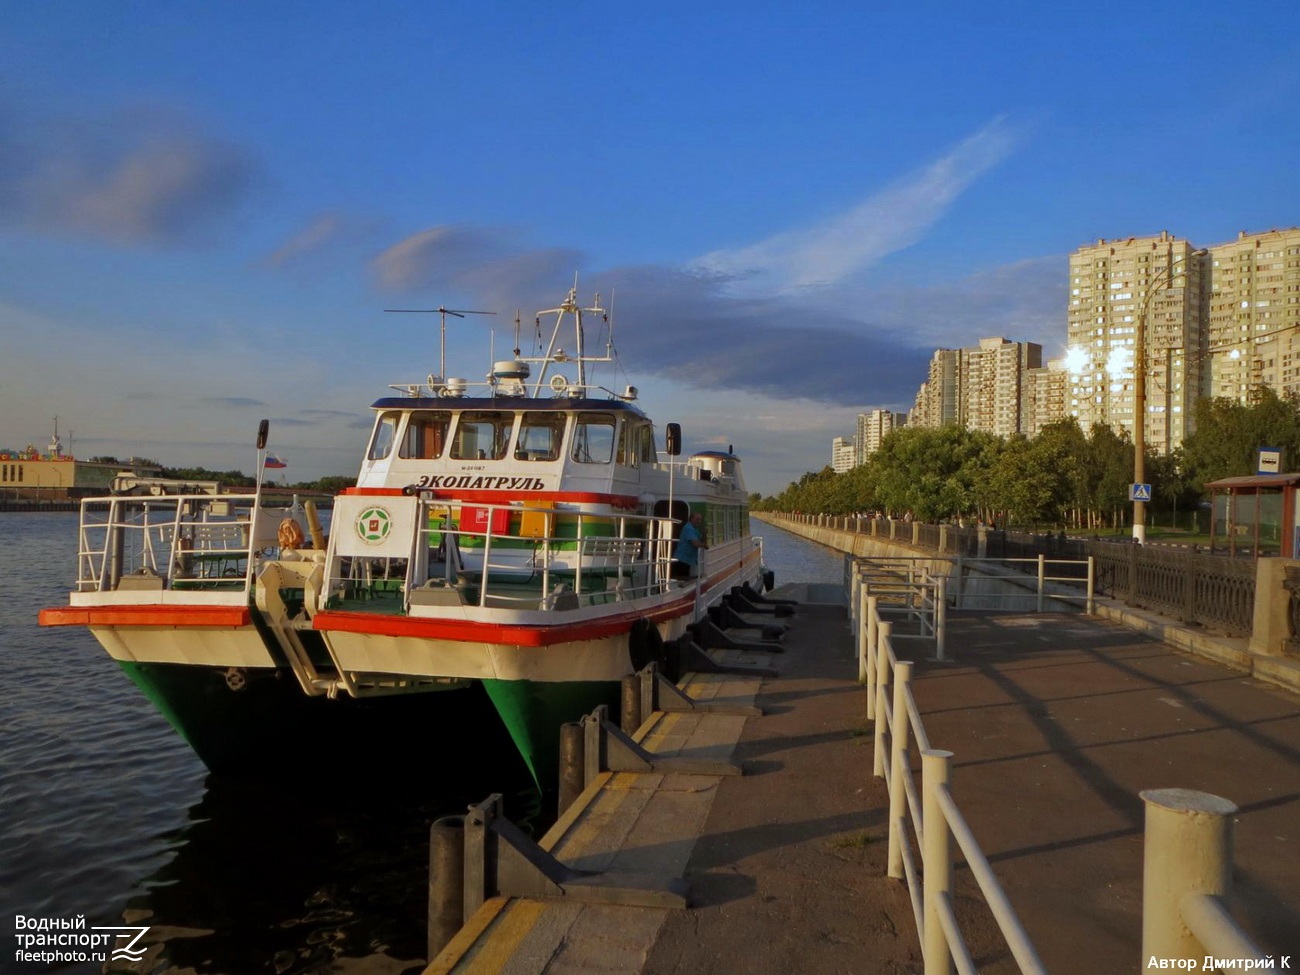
(627, 446)
(381, 442)
(482, 435)
(540, 436)
(593, 438)
(426, 435)
(646, 437)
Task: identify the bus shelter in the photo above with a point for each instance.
(1255, 515)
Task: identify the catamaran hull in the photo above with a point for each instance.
(257, 722)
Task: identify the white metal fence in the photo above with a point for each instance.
(1187, 871)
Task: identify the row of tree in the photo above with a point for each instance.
(1063, 476)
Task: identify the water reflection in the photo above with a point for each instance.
(304, 879)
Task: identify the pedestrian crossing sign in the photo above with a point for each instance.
(1139, 492)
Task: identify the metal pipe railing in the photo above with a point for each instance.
(933, 813)
(1187, 864)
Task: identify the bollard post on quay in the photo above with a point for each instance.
(446, 882)
(573, 764)
(630, 717)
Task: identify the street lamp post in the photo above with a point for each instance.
(1163, 279)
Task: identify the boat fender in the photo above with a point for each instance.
(769, 580)
(645, 645)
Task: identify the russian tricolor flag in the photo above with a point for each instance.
(274, 462)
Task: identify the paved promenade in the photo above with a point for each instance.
(1057, 722)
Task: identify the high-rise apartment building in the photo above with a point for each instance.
(937, 401)
(979, 387)
(843, 456)
(1043, 396)
(1254, 314)
(1115, 286)
(873, 428)
(991, 384)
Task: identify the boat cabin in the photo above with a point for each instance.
(504, 444)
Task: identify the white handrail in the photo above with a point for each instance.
(933, 812)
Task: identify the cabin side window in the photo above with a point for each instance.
(627, 446)
(426, 435)
(593, 438)
(482, 435)
(646, 438)
(540, 436)
(381, 442)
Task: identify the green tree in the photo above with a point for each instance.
(1229, 434)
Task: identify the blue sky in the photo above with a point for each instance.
(204, 208)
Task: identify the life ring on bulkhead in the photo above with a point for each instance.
(290, 534)
(645, 645)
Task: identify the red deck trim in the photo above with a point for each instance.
(168, 616)
(523, 635)
(499, 497)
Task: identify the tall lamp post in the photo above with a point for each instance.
(1164, 277)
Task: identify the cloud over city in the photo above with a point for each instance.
(127, 177)
(886, 221)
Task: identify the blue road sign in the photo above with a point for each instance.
(1139, 492)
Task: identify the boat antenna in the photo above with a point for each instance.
(517, 313)
(442, 328)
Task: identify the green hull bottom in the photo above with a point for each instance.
(533, 711)
(258, 722)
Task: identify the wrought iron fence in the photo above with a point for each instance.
(1195, 587)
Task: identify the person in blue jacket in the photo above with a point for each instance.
(686, 556)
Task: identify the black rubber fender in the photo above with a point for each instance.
(645, 645)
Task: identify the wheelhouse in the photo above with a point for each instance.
(496, 444)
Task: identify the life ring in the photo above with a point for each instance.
(559, 384)
(290, 534)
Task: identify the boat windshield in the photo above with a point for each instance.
(593, 438)
(426, 435)
(540, 436)
(381, 444)
(482, 435)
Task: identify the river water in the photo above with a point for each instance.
(105, 812)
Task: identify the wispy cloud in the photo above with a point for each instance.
(131, 177)
(237, 401)
(778, 318)
(885, 222)
(480, 260)
(327, 232)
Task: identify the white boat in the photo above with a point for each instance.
(514, 536)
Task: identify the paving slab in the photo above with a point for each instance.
(1057, 723)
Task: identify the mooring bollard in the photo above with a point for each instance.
(1187, 851)
(573, 764)
(629, 717)
(446, 882)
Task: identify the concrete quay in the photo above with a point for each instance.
(1057, 722)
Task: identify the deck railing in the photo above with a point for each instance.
(195, 542)
(606, 557)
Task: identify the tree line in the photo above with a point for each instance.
(1062, 477)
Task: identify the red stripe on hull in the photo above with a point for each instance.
(521, 635)
(499, 497)
(169, 616)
